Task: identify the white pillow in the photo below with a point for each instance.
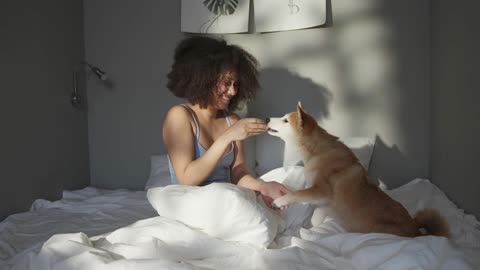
(270, 152)
(159, 172)
(296, 215)
(222, 210)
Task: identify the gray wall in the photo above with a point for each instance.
(43, 140)
(455, 97)
(132, 41)
(365, 74)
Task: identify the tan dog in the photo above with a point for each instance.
(338, 179)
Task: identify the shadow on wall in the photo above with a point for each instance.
(411, 111)
(281, 90)
(388, 163)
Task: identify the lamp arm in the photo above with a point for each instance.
(75, 85)
(75, 97)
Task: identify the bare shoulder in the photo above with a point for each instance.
(177, 116)
(178, 113)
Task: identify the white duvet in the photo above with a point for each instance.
(226, 227)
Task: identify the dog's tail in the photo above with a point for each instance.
(430, 222)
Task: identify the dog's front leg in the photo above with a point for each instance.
(312, 195)
(282, 201)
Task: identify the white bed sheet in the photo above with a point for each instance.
(90, 210)
(162, 243)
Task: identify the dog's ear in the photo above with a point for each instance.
(305, 121)
(300, 114)
(300, 104)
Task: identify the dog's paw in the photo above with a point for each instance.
(280, 202)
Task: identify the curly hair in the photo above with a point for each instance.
(198, 63)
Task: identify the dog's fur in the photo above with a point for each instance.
(338, 179)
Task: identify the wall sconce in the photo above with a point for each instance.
(75, 98)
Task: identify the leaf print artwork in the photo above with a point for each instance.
(219, 8)
(215, 16)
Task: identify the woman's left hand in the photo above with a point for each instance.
(271, 191)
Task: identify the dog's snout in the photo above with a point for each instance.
(267, 120)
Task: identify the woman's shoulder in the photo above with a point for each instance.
(178, 114)
(178, 110)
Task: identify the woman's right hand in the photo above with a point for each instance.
(245, 128)
(271, 191)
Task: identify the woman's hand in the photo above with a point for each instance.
(245, 128)
(271, 191)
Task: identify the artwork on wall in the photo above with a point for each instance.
(283, 15)
(214, 16)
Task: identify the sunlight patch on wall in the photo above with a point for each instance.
(279, 49)
(354, 61)
(365, 48)
(368, 68)
(371, 70)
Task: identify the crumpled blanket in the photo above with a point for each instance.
(165, 243)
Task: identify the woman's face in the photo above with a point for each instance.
(227, 88)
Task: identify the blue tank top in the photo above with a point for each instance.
(221, 173)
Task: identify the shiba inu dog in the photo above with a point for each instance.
(338, 180)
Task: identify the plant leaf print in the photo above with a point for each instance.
(215, 16)
(221, 7)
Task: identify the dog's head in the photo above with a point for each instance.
(293, 126)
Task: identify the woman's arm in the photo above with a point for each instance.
(179, 140)
(242, 176)
(240, 173)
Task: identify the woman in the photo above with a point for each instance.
(204, 139)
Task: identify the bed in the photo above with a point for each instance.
(223, 226)
(90, 210)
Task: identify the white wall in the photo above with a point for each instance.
(365, 74)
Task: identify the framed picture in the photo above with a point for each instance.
(215, 16)
(283, 15)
